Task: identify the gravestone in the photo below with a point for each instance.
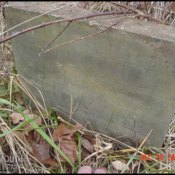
(122, 82)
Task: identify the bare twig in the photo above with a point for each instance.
(32, 19)
(137, 11)
(2, 3)
(81, 38)
(59, 34)
(13, 35)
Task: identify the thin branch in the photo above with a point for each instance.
(3, 3)
(45, 48)
(13, 35)
(137, 11)
(32, 19)
(82, 38)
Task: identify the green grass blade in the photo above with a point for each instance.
(79, 149)
(14, 129)
(46, 137)
(4, 102)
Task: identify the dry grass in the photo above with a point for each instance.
(163, 11)
(6, 56)
(15, 157)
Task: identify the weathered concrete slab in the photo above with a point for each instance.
(123, 80)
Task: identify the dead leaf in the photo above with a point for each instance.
(87, 145)
(36, 118)
(90, 138)
(59, 132)
(40, 150)
(62, 130)
(16, 117)
(66, 140)
(37, 146)
(85, 170)
(76, 128)
(22, 137)
(70, 149)
(84, 153)
(118, 165)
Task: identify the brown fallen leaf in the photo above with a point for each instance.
(22, 137)
(87, 145)
(36, 145)
(84, 153)
(90, 138)
(62, 130)
(40, 150)
(16, 117)
(66, 140)
(87, 142)
(70, 149)
(59, 132)
(36, 118)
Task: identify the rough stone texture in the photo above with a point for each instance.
(123, 80)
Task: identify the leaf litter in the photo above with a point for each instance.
(93, 148)
(63, 136)
(66, 139)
